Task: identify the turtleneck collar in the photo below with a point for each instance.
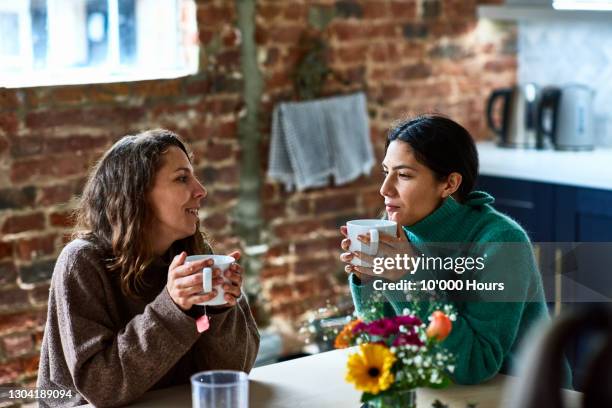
(442, 224)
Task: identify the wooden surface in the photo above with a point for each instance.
(318, 381)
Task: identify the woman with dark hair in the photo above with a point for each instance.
(123, 313)
(430, 169)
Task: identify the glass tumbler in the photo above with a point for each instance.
(220, 389)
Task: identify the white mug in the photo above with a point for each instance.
(373, 227)
(222, 262)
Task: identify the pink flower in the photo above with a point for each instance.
(408, 320)
(359, 327)
(382, 327)
(410, 338)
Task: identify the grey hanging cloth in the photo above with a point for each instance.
(317, 139)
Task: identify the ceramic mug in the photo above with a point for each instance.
(372, 227)
(221, 262)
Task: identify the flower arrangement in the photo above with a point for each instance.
(397, 354)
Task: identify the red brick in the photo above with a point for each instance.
(281, 291)
(8, 99)
(39, 296)
(296, 11)
(66, 95)
(335, 203)
(279, 79)
(315, 266)
(229, 58)
(45, 144)
(6, 249)
(350, 54)
(17, 345)
(22, 321)
(58, 166)
(318, 285)
(273, 271)
(29, 365)
(501, 64)
(276, 251)
(20, 223)
(217, 151)
(215, 222)
(319, 246)
(413, 71)
(346, 31)
(208, 15)
(383, 30)
(10, 371)
(4, 144)
(59, 193)
(61, 219)
(373, 10)
(405, 9)
(158, 88)
(205, 36)
(217, 197)
(231, 36)
(272, 211)
(31, 248)
(8, 273)
(431, 90)
(269, 11)
(372, 200)
(103, 93)
(300, 228)
(8, 123)
(98, 116)
(221, 106)
(13, 300)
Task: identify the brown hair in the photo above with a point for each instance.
(114, 213)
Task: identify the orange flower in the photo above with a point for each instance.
(440, 326)
(343, 339)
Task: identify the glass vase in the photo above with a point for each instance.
(403, 399)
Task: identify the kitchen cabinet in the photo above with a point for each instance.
(571, 228)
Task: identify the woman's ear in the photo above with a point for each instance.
(453, 181)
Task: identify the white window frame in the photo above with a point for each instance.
(56, 71)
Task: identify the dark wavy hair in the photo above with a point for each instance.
(113, 211)
(443, 145)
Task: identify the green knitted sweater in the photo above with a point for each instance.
(486, 334)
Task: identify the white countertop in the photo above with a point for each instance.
(318, 381)
(583, 169)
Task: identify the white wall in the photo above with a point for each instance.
(561, 52)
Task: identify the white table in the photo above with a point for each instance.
(318, 381)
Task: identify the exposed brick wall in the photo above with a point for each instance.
(408, 56)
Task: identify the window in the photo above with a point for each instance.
(50, 42)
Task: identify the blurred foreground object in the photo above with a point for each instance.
(539, 385)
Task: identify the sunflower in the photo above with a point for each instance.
(370, 369)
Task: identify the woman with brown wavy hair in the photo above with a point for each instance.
(123, 312)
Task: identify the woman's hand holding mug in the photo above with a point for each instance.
(185, 281)
(389, 246)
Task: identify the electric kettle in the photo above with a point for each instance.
(565, 117)
(518, 115)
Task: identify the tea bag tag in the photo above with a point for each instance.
(203, 323)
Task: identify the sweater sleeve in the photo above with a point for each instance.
(231, 342)
(111, 367)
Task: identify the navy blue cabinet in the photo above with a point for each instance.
(575, 224)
